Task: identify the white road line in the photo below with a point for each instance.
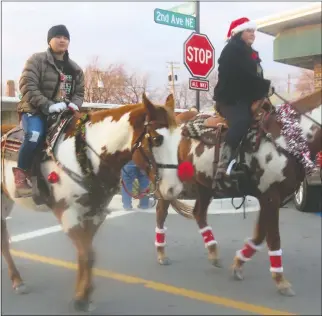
(216, 207)
(55, 229)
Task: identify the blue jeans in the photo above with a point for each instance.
(34, 127)
(130, 172)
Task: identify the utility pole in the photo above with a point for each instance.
(198, 31)
(288, 84)
(173, 77)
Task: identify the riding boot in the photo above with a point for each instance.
(223, 162)
(23, 189)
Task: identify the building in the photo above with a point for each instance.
(297, 38)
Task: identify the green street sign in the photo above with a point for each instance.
(174, 19)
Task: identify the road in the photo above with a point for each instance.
(128, 279)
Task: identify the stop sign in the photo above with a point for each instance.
(199, 55)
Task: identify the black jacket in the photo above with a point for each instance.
(240, 76)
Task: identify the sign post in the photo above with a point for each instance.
(198, 31)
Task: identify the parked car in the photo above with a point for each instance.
(308, 198)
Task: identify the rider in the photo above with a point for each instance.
(50, 80)
(240, 83)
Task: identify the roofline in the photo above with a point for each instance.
(288, 15)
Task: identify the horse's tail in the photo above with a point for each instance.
(182, 209)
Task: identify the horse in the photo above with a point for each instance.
(79, 173)
(272, 170)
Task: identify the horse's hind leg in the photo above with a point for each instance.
(17, 282)
(160, 242)
(200, 214)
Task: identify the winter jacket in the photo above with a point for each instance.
(240, 76)
(40, 81)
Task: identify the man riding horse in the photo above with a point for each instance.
(240, 83)
(48, 81)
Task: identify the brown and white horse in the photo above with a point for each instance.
(146, 133)
(275, 174)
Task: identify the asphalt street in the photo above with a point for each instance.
(128, 279)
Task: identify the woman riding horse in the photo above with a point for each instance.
(240, 83)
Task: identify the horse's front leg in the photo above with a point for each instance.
(160, 240)
(252, 245)
(17, 282)
(81, 232)
(275, 253)
(200, 214)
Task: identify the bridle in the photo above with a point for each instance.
(153, 141)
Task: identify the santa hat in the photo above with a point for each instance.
(240, 25)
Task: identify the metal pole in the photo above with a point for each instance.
(198, 31)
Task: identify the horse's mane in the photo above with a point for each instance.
(97, 115)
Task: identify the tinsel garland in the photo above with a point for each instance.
(292, 131)
(81, 148)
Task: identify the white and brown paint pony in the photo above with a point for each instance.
(146, 133)
(275, 175)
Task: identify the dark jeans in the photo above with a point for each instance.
(34, 127)
(239, 119)
(130, 172)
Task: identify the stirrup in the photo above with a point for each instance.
(230, 167)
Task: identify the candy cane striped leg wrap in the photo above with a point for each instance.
(160, 237)
(275, 257)
(248, 250)
(208, 236)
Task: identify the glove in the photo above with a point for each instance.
(271, 91)
(57, 107)
(73, 106)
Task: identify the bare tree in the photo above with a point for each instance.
(113, 84)
(305, 82)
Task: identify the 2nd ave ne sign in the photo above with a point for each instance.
(174, 19)
(199, 55)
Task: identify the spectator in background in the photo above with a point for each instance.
(130, 172)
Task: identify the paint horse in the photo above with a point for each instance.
(274, 175)
(80, 173)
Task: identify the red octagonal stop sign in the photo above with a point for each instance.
(199, 55)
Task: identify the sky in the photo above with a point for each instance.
(125, 33)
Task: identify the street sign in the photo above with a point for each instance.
(174, 19)
(199, 55)
(185, 8)
(198, 84)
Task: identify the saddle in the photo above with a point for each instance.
(13, 139)
(209, 129)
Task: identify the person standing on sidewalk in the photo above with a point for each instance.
(130, 172)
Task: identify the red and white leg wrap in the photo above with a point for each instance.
(160, 237)
(275, 257)
(248, 250)
(208, 236)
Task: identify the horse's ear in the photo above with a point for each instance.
(169, 103)
(150, 108)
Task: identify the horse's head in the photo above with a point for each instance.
(155, 145)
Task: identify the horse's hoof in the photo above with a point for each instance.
(21, 289)
(164, 261)
(286, 291)
(83, 306)
(238, 274)
(216, 262)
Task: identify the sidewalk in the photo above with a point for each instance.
(222, 206)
